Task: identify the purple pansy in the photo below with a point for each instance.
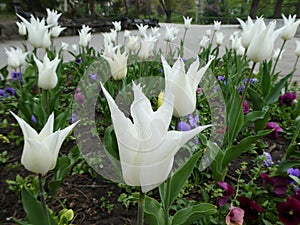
(10, 90)
(16, 75)
(278, 184)
(294, 172)
(289, 211)
(2, 93)
(268, 161)
(227, 193)
(246, 107)
(287, 98)
(250, 207)
(276, 128)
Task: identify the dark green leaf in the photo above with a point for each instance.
(178, 180)
(34, 210)
(285, 165)
(235, 151)
(192, 214)
(154, 212)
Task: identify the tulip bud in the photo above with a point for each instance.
(160, 99)
(84, 36)
(290, 27)
(185, 84)
(297, 50)
(146, 147)
(187, 22)
(118, 64)
(15, 57)
(262, 44)
(47, 78)
(22, 28)
(41, 150)
(117, 25)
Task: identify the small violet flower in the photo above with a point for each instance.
(73, 118)
(276, 128)
(33, 119)
(16, 75)
(287, 98)
(10, 90)
(2, 93)
(227, 193)
(267, 159)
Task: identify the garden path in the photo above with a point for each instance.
(193, 37)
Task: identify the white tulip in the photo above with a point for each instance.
(21, 28)
(219, 38)
(142, 29)
(146, 147)
(217, 25)
(247, 31)
(262, 45)
(47, 77)
(56, 31)
(118, 64)
(297, 50)
(126, 33)
(133, 43)
(155, 32)
(187, 22)
(117, 25)
(85, 36)
(186, 84)
(52, 17)
(38, 34)
(41, 150)
(64, 46)
(204, 41)
(147, 46)
(109, 50)
(171, 33)
(290, 27)
(235, 41)
(15, 57)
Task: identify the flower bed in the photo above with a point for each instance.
(206, 140)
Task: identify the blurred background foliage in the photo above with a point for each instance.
(203, 11)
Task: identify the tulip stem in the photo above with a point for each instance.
(275, 64)
(141, 206)
(296, 63)
(42, 192)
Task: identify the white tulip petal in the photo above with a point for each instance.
(28, 131)
(37, 157)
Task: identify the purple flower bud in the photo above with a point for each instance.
(73, 118)
(268, 159)
(79, 60)
(16, 75)
(193, 120)
(294, 172)
(10, 90)
(33, 119)
(246, 107)
(93, 76)
(79, 97)
(183, 126)
(2, 93)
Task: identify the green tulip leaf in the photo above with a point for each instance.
(177, 181)
(192, 214)
(34, 210)
(154, 213)
(276, 90)
(235, 151)
(253, 116)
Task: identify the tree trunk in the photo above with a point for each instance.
(277, 9)
(92, 7)
(253, 9)
(126, 7)
(168, 16)
(298, 10)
